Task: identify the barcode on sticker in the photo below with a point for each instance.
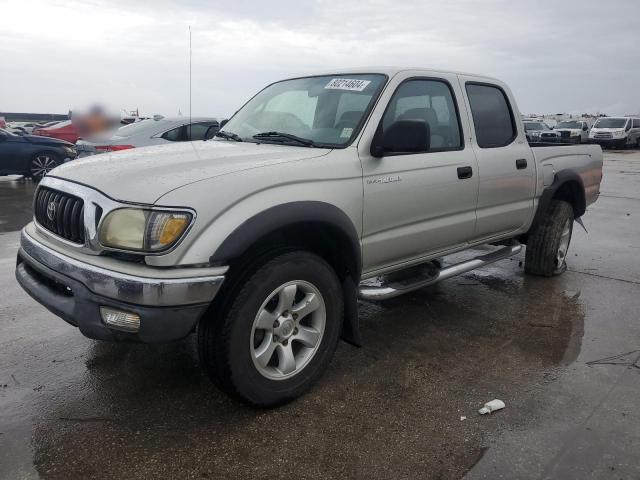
(347, 84)
(346, 132)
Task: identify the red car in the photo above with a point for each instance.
(63, 131)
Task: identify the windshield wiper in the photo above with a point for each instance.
(228, 135)
(286, 136)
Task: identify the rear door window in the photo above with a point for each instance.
(492, 116)
(176, 134)
(196, 131)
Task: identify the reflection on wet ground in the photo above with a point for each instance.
(16, 195)
(428, 359)
(74, 408)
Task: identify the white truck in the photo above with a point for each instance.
(318, 190)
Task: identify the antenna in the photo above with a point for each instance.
(190, 56)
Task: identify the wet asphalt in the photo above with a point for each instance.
(403, 406)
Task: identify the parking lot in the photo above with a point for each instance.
(396, 408)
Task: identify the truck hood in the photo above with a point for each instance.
(142, 175)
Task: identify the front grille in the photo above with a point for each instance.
(60, 213)
(565, 134)
(603, 135)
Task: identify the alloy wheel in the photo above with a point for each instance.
(288, 330)
(41, 165)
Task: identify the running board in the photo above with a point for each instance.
(395, 288)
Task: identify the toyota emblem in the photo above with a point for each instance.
(51, 211)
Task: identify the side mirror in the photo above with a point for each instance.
(223, 122)
(585, 128)
(402, 136)
(628, 127)
(211, 132)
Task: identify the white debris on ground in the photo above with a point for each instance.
(491, 406)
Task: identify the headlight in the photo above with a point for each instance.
(70, 150)
(574, 133)
(142, 230)
(619, 133)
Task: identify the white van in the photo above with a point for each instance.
(617, 132)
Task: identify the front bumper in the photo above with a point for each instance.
(609, 142)
(169, 308)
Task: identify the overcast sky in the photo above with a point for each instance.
(561, 56)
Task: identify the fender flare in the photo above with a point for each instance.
(274, 218)
(561, 178)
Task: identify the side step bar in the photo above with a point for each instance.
(395, 288)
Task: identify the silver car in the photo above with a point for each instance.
(153, 131)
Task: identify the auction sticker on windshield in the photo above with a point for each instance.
(347, 84)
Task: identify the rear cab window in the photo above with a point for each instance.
(492, 114)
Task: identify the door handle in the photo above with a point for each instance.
(465, 172)
(521, 163)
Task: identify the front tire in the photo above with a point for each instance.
(41, 164)
(278, 331)
(548, 243)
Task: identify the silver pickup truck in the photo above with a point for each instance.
(319, 190)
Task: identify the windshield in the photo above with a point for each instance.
(610, 123)
(328, 110)
(569, 125)
(535, 126)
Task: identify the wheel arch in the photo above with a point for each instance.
(316, 226)
(568, 186)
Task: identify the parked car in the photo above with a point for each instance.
(317, 190)
(154, 131)
(616, 132)
(17, 130)
(26, 126)
(32, 155)
(64, 131)
(540, 132)
(49, 124)
(575, 131)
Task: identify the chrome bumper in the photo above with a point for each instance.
(137, 290)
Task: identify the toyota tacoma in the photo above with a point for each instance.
(319, 191)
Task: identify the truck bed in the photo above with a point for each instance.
(584, 160)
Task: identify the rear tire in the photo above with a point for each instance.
(42, 163)
(278, 331)
(548, 243)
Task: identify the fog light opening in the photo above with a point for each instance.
(120, 320)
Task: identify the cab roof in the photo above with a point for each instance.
(391, 71)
